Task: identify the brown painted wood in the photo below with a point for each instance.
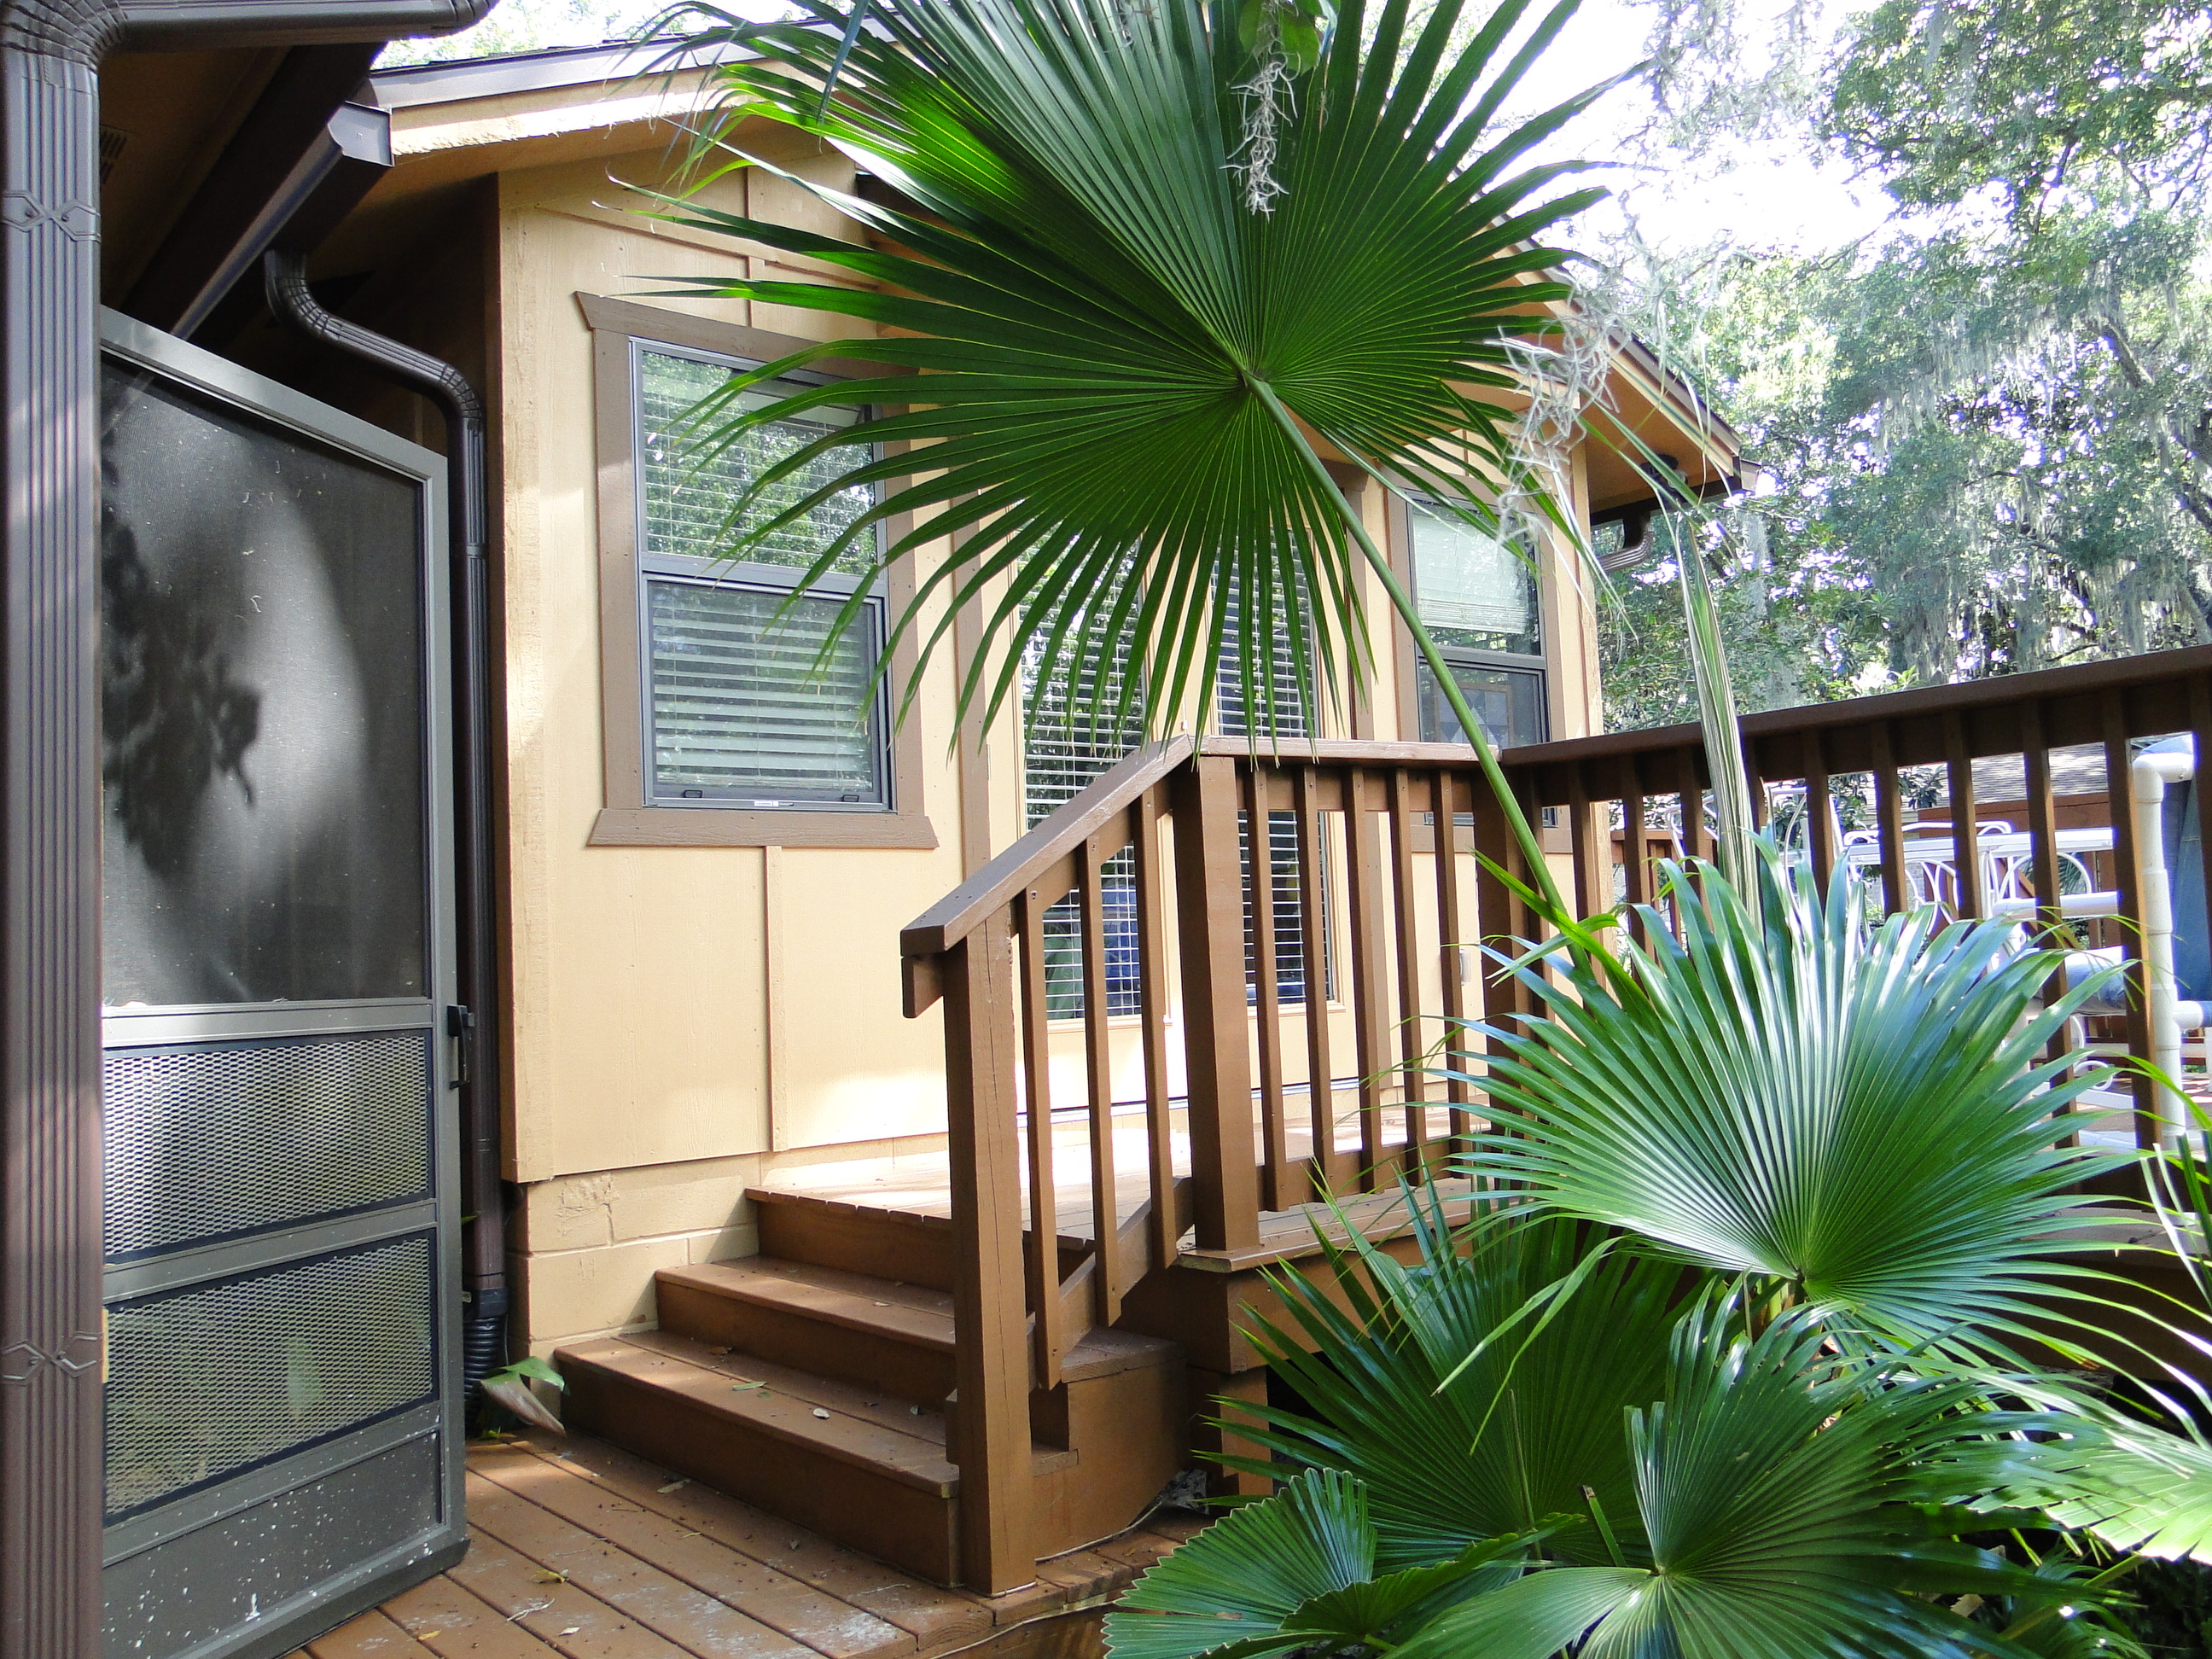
(2042, 826)
(1966, 820)
(987, 893)
(996, 1552)
(1498, 916)
(933, 1616)
(1313, 920)
(893, 1244)
(835, 1324)
(818, 1622)
(2200, 721)
(1819, 809)
(453, 1623)
(2127, 856)
(1041, 1260)
(1217, 1068)
(693, 1621)
(1275, 1178)
(1637, 864)
(1153, 981)
(1690, 786)
(1453, 942)
(1108, 1282)
(1370, 987)
(1592, 851)
(1405, 905)
(1889, 822)
(567, 1618)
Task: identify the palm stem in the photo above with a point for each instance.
(1532, 850)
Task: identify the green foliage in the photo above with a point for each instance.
(1955, 100)
(1717, 1368)
(1857, 1117)
(1120, 355)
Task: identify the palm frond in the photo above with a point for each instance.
(1104, 357)
(1859, 1115)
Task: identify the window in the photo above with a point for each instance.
(726, 722)
(1065, 750)
(1477, 597)
(741, 707)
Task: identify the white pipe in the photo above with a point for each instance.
(2150, 774)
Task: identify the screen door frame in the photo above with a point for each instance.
(276, 1630)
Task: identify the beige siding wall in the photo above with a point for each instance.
(684, 1020)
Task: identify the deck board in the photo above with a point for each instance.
(581, 1551)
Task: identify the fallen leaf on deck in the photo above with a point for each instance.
(572, 1629)
(514, 1393)
(674, 1484)
(547, 1576)
(824, 1415)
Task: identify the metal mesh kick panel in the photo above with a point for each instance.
(263, 1566)
(221, 1140)
(206, 1383)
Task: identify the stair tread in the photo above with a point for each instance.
(887, 1411)
(778, 1411)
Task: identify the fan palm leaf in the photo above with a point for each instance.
(1859, 1114)
(1127, 380)
(1784, 1494)
(1479, 1392)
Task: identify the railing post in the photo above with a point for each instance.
(1210, 917)
(991, 1416)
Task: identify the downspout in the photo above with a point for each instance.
(51, 1317)
(483, 1273)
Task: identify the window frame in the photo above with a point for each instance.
(629, 816)
(1538, 664)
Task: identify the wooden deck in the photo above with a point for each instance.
(581, 1551)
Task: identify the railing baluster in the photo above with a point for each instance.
(991, 1367)
(1753, 778)
(2200, 719)
(1966, 817)
(1224, 1183)
(1451, 946)
(2127, 850)
(1820, 810)
(1107, 1281)
(1047, 1342)
(1260, 859)
(1313, 923)
(1153, 990)
(1370, 987)
(1632, 846)
(1889, 821)
(1502, 920)
(1593, 852)
(1696, 842)
(2042, 835)
(1412, 1032)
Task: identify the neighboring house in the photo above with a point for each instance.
(484, 921)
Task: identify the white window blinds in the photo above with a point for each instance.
(743, 708)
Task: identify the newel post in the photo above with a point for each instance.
(1210, 918)
(991, 1416)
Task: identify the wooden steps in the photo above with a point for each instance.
(804, 1382)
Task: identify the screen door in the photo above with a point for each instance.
(283, 1387)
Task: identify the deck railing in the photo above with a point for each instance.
(1299, 925)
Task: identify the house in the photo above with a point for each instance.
(483, 954)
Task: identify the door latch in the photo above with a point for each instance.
(461, 1026)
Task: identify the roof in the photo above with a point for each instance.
(609, 65)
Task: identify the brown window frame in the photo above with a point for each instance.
(626, 819)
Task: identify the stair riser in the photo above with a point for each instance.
(905, 1250)
(917, 1371)
(906, 1526)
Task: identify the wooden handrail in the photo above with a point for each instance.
(955, 915)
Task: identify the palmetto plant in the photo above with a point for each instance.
(1132, 383)
(1736, 1357)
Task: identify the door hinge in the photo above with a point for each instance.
(461, 1026)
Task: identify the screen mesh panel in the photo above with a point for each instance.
(206, 1383)
(225, 1138)
(261, 710)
